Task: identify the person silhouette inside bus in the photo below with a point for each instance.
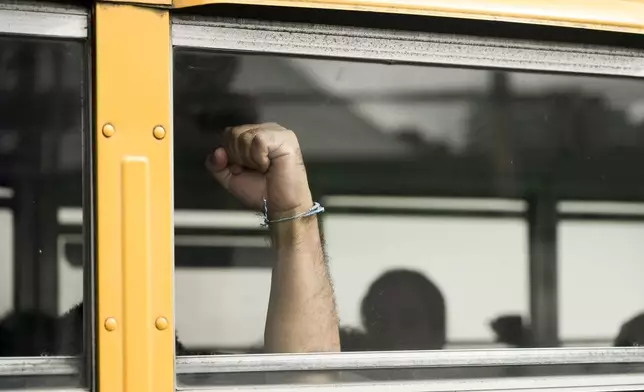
(631, 333)
(262, 166)
(402, 310)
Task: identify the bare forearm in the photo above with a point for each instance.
(262, 165)
(301, 312)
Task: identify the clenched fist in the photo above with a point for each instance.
(260, 161)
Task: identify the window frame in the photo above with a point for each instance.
(352, 43)
(44, 20)
(586, 383)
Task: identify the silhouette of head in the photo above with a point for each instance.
(403, 310)
(631, 333)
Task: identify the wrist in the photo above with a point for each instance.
(299, 205)
(292, 225)
(295, 235)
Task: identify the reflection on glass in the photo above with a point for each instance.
(441, 187)
(41, 122)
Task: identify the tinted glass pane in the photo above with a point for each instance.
(441, 186)
(42, 101)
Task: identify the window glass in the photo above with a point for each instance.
(6, 260)
(42, 98)
(600, 289)
(441, 187)
(70, 258)
(456, 270)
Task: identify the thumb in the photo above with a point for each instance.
(217, 165)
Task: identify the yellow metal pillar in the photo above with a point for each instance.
(134, 198)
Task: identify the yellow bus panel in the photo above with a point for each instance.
(134, 198)
(611, 15)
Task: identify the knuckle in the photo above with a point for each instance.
(247, 137)
(236, 132)
(259, 142)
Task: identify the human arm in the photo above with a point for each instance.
(264, 161)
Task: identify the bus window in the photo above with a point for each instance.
(42, 103)
(441, 188)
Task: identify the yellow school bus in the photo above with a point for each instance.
(478, 161)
